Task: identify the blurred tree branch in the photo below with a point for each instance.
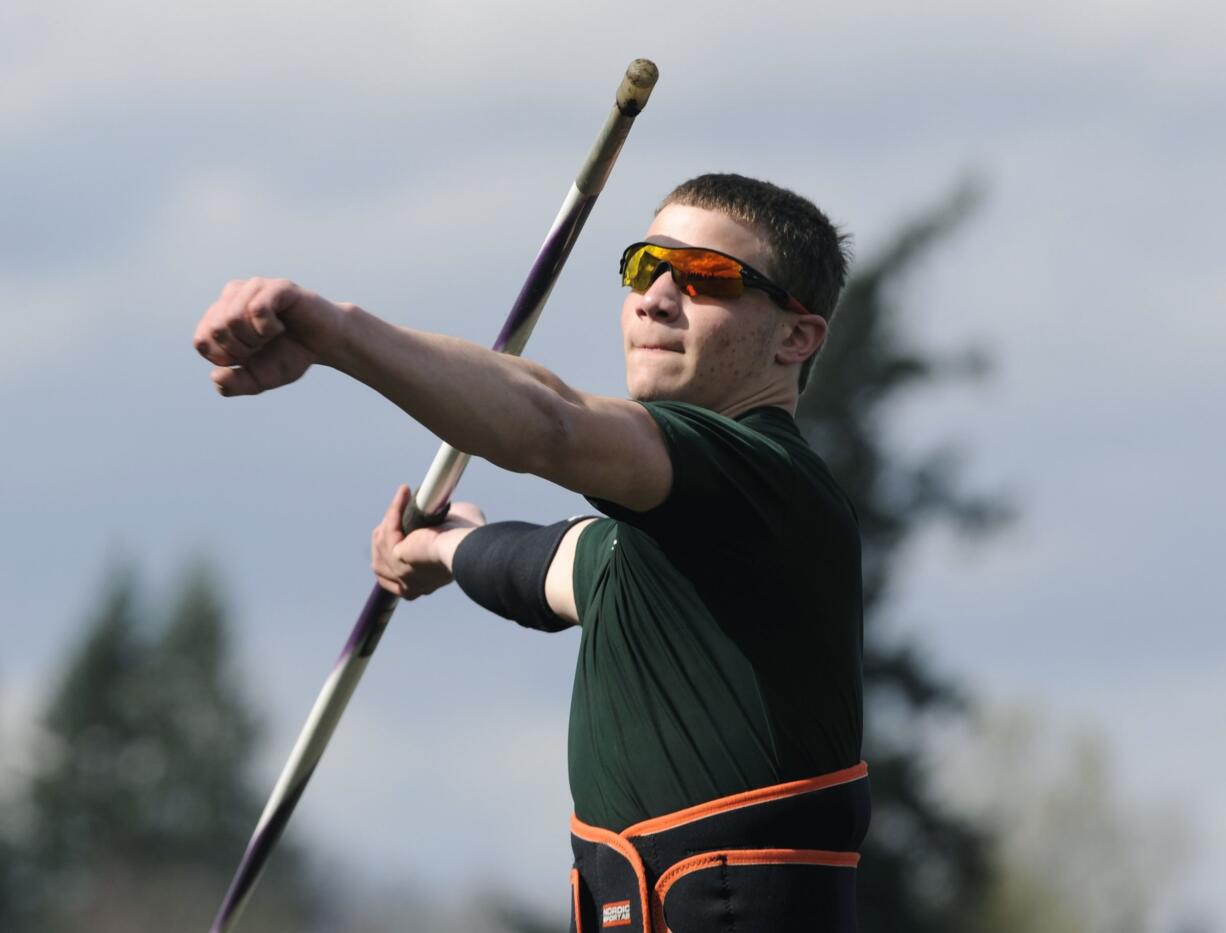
(924, 869)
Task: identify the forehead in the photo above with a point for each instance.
(682, 225)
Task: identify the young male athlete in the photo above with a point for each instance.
(715, 724)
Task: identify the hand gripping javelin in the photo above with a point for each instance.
(430, 502)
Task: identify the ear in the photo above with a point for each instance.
(803, 335)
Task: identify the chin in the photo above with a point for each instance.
(650, 381)
(643, 391)
(652, 396)
(657, 392)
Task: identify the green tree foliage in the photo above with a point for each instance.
(923, 869)
(9, 887)
(87, 800)
(141, 802)
(205, 733)
(1069, 854)
(9, 905)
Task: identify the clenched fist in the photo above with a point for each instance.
(264, 333)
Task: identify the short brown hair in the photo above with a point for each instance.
(808, 254)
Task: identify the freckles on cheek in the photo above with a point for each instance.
(732, 357)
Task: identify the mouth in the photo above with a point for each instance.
(657, 348)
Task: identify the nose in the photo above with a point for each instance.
(662, 300)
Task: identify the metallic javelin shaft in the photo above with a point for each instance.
(430, 502)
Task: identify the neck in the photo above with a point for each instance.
(736, 411)
(780, 396)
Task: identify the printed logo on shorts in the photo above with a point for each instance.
(617, 914)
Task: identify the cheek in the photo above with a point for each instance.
(627, 315)
(734, 355)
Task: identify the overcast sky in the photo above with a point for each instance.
(410, 157)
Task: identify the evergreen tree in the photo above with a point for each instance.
(1070, 854)
(923, 870)
(205, 733)
(87, 799)
(9, 884)
(141, 805)
(10, 913)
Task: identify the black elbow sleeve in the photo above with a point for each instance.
(503, 566)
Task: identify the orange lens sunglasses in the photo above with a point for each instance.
(699, 271)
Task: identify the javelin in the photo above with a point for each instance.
(430, 502)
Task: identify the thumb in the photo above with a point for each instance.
(234, 381)
(279, 363)
(395, 511)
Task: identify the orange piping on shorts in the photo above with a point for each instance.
(745, 857)
(746, 799)
(626, 850)
(574, 894)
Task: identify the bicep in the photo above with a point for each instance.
(559, 578)
(610, 449)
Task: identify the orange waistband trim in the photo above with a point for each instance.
(744, 857)
(574, 898)
(652, 906)
(746, 799)
(623, 847)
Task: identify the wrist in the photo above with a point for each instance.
(447, 542)
(343, 336)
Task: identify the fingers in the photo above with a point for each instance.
(237, 381)
(383, 540)
(466, 513)
(243, 320)
(395, 512)
(239, 335)
(214, 338)
(408, 565)
(387, 533)
(392, 585)
(277, 364)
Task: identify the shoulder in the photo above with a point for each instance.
(813, 485)
(609, 449)
(705, 437)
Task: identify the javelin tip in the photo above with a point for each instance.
(636, 87)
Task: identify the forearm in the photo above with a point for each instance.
(264, 333)
(502, 408)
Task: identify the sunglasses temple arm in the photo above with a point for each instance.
(430, 503)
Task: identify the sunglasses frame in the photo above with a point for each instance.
(750, 277)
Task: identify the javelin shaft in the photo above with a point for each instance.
(430, 502)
